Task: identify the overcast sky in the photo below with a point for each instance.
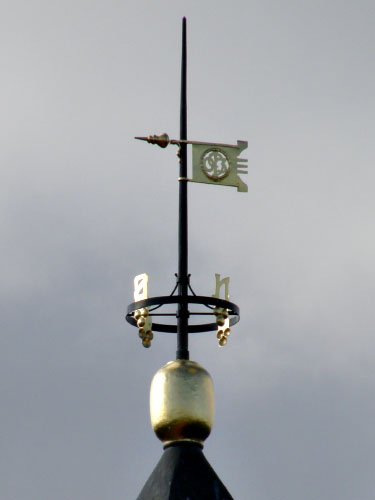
(84, 208)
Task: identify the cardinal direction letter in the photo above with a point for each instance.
(141, 287)
(219, 283)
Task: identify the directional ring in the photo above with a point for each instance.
(215, 164)
(212, 302)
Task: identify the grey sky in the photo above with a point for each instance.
(84, 208)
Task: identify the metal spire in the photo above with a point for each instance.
(183, 277)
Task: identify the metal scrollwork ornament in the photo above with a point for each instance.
(222, 321)
(215, 164)
(222, 316)
(141, 316)
(144, 324)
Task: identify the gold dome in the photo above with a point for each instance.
(182, 402)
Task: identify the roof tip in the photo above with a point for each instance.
(184, 472)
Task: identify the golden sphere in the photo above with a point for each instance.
(141, 322)
(146, 342)
(137, 314)
(182, 402)
(220, 320)
(222, 341)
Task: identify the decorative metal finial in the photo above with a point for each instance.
(182, 402)
(161, 140)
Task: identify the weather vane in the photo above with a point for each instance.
(213, 163)
(181, 392)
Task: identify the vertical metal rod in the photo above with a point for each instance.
(183, 277)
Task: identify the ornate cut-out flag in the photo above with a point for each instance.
(219, 164)
(212, 163)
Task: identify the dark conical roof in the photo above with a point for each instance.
(184, 473)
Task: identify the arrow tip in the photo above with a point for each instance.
(161, 140)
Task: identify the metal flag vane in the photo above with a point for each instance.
(213, 163)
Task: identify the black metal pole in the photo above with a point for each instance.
(183, 277)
